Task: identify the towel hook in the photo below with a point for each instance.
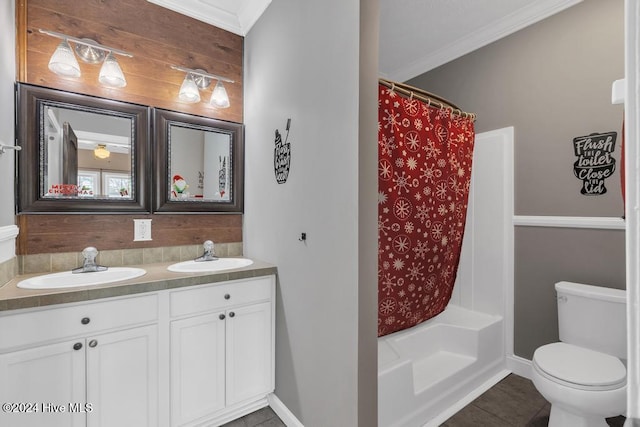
(4, 147)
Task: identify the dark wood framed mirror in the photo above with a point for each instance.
(80, 153)
(199, 163)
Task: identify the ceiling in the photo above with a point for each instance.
(419, 35)
(415, 35)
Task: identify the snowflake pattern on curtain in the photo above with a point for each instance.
(424, 171)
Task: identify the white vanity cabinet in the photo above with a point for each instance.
(190, 356)
(87, 364)
(222, 350)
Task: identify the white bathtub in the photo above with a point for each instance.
(429, 371)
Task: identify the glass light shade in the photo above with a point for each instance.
(111, 73)
(219, 97)
(189, 90)
(64, 62)
(101, 152)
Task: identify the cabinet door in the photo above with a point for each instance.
(122, 378)
(51, 377)
(197, 367)
(249, 352)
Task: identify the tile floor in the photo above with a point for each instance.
(264, 417)
(513, 402)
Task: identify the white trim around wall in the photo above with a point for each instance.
(601, 223)
(283, 412)
(8, 236)
(632, 213)
(519, 366)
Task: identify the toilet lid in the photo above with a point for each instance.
(581, 367)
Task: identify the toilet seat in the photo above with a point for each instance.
(579, 368)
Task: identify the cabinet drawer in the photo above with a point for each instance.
(83, 319)
(220, 296)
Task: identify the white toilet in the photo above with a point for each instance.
(583, 376)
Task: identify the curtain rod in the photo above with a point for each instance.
(429, 98)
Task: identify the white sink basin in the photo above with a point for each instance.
(209, 266)
(68, 279)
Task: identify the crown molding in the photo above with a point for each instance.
(528, 15)
(239, 21)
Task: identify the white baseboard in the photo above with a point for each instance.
(8, 236)
(283, 412)
(519, 366)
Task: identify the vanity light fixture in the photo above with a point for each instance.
(196, 80)
(101, 152)
(64, 62)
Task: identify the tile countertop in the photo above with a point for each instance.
(157, 278)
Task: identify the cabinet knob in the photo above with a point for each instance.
(93, 343)
(77, 346)
(231, 314)
(227, 296)
(221, 317)
(85, 321)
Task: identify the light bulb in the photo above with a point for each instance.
(189, 90)
(111, 73)
(219, 97)
(64, 62)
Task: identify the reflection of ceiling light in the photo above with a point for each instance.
(101, 152)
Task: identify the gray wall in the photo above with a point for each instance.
(7, 77)
(552, 82)
(368, 217)
(302, 61)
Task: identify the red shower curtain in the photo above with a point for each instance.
(424, 171)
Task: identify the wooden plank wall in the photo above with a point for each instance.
(72, 233)
(158, 38)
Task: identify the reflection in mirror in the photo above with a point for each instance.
(87, 154)
(199, 163)
(81, 153)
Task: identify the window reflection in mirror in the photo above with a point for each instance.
(85, 154)
(81, 153)
(199, 164)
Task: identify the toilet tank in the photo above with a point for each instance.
(593, 317)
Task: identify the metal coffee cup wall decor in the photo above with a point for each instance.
(595, 161)
(282, 156)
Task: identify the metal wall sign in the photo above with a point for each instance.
(282, 156)
(595, 161)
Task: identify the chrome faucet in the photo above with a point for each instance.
(89, 264)
(209, 253)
